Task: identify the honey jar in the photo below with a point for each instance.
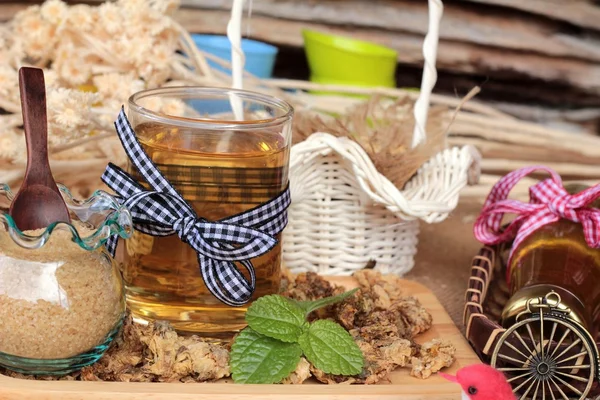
(556, 258)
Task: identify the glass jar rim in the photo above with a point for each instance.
(118, 222)
(280, 104)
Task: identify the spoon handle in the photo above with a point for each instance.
(35, 121)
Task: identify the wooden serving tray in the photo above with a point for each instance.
(400, 386)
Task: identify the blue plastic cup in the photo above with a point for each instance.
(260, 57)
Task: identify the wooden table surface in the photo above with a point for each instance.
(400, 386)
(445, 252)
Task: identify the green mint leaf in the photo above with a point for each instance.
(276, 317)
(255, 358)
(330, 348)
(310, 306)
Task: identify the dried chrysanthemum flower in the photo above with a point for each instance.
(76, 71)
(134, 6)
(161, 56)
(81, 16)
(69, 114)
(166, 7)
(111, 17)
(9, 91)
(9, 83)
(139, 48)
(54, 11)
(154, 76)
(94, 59)
(37, 35)
(12, 144)
(51, 78)
(118, 87)
(28, 21)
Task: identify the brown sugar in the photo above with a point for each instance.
(57, 301)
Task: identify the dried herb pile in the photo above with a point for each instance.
(382, 321)
(384, 129)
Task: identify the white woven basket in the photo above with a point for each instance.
(344, 213)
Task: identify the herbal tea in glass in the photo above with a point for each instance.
(222, 166)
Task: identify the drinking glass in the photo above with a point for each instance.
(223, 160)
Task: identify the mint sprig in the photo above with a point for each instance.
(278, 334)
(330, 348)
(276, 317)
(310, 306)
(256, 358)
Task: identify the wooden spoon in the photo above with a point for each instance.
(38, 202)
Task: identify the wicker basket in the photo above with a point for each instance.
(345, 213)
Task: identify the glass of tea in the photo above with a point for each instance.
(226, 151)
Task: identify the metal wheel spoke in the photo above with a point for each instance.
(537, 387)
(577, 378)
(543, 390)
(552, 336)
(573, 357)
(518, 335)
(562, 339)
(575, 343)
(542, 332)
(528, 390)
(550, 390)
(532, 340)
(514, 360)
(518, 351)
(573, 388)
(514, 378)
(564, 396)
(517, 369)
(586, 366)
(523, 384)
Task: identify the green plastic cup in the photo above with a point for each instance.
(340, 60)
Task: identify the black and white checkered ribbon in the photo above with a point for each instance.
(219, 244)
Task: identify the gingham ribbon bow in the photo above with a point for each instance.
(548, 202)
(163, 212)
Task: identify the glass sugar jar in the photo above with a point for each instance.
(62, 300)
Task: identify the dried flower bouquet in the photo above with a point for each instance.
(94, 58)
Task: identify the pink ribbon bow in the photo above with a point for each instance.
(548, 202)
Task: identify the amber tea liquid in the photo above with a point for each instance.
(556, 256)
(162, 275)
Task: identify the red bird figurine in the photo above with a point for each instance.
(481, 382)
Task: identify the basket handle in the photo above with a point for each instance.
(430, 45)
(234, 29)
